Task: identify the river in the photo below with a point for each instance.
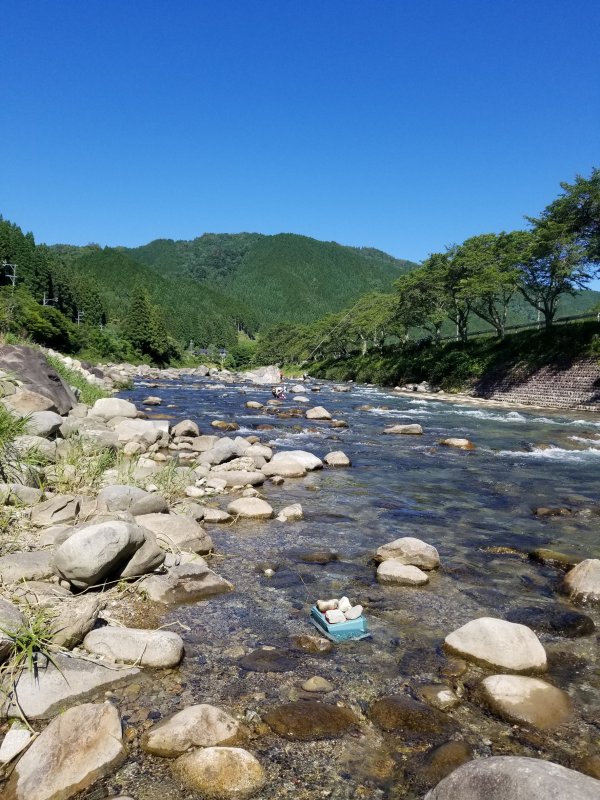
(474, 506)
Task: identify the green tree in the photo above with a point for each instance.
(421, 297)
(143, 325)
(489, 273)
(575, 214)
(555, 265)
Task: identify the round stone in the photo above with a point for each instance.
(310, 720)
(221, 772)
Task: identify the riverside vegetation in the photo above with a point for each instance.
(154, 612)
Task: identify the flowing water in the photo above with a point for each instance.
(475, 507)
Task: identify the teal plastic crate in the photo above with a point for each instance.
(340, 631)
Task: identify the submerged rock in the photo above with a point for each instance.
(401, 713)
(311, 720)
(497, 643)
(221, 772)
(185, 583)
(528, 701)
(514, 778)
(267, 660)
(557, 621)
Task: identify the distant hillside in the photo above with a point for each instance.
(280, 278)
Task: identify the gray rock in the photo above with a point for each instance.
(221, 772)
(14, 494)
(411, 430)
(185, 583)
(59, 510)
(408, 550)
(214, 516)
(175, 532)
(284, 467)
(97, 552)
(29, 445)
(185, 428)
(109, 407)
(337, 458)
(11, 620)
(141, 431)
(582, 583)
(196, 726)
(52, 688)
(224, 450)
(75, 619)
(497, 643)
(146, 648)
(397, 573)
(15, 741)
(78, 748)
(514, 778)
(33, 566)
(44, 423)
(132, 499)
(291, 513)
(308, 460)
(32, 368)
(318, 412)
(201, 444)
(243, 478)
(250, 508)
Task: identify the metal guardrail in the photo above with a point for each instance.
(539, 324)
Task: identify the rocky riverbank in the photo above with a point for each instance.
(107, 527)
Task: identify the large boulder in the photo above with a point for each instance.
(221, 773)
(582, 583)
(241, 478)
(185, 583)
(527, 701)
(146, 648)
(176, 532)
(103, 550)
(196, 726)
(109, 407)
(515, 778)
(337, 458)
(497, 643)
(408, 550)
(33, 370)
(186, 427)
(78, 748)
(15, 494)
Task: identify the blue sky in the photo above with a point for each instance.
(406, 126)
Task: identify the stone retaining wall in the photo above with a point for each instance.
(568, 385)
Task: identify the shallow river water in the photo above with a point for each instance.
(475, 507)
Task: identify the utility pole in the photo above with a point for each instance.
(49, 300)
(80, 316)
(10, 270)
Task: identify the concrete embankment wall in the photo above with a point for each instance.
(567, 385)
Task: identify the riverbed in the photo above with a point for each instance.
(476, 507)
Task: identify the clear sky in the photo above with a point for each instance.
(406, 125)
